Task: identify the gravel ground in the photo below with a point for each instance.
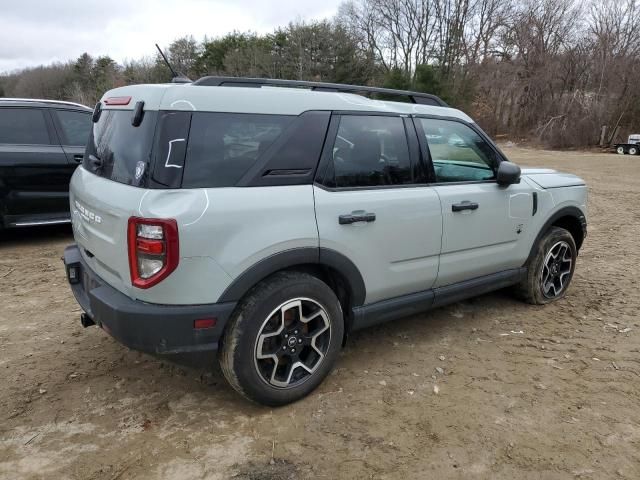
(487, 388)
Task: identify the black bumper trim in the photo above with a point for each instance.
(147, 327)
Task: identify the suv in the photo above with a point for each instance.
(267, 223)
(41, 144)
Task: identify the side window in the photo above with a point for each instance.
(370, 151)
(458, 153)
(223, 146)
(23, 126)
(76, 127)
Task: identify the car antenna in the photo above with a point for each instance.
(175, 77)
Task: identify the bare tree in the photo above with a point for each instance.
(399, 33)
(555, 70)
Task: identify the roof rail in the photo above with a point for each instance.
(42, 100)
(414, 97)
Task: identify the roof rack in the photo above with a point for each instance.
(41, 100)
(414, 97)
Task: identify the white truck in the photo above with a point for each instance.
(632, 147)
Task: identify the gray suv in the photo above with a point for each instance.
(268, 223)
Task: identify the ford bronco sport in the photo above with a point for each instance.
(267, 223)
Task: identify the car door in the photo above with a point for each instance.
(73, 127)
(374, 206)
(33, 176)
(482, 221)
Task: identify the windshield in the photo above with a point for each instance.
(119, 151)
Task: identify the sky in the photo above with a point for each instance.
(36, 32)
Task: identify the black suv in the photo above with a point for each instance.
(41, 143)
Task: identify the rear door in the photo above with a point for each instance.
(482, 221)
(73, 127)
(373, 206)
(34, 177)
(106, 191)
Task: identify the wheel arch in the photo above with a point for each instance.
(571, 219)
(332, 267)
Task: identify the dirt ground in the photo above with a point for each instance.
(522, 392)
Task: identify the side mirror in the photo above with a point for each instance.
(508, 174)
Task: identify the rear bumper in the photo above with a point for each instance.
(151, 328)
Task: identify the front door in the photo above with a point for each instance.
(374, 207)
(483, 222)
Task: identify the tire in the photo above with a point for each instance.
(551, 268)
(288, 319)
(633, 150)
(620, 150)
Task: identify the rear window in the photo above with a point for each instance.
(119, 151)
(223, 146)
(23, 126)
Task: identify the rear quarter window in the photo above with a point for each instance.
(223, 146)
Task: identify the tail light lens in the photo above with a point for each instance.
(153, 250)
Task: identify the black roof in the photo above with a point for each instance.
(41, 103)
(415, 97)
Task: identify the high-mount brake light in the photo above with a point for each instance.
(117, 101)
(153, 250)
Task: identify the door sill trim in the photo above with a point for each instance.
(413, 303)
(40, 222)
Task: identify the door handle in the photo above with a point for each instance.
(78, 157)
(466, 205)
(357, 216)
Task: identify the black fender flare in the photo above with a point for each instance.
(294, 257)
(563, 212)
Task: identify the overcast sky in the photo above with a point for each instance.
(35, 32)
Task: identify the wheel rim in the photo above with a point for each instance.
(556, 270)
(620, 150)
(292, 343)
(633, 151)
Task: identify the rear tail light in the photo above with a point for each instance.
(153, 250)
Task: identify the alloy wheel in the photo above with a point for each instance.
(556, 270)
(292, 342)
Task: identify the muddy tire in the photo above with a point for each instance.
(550, 269)
(282, 339)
